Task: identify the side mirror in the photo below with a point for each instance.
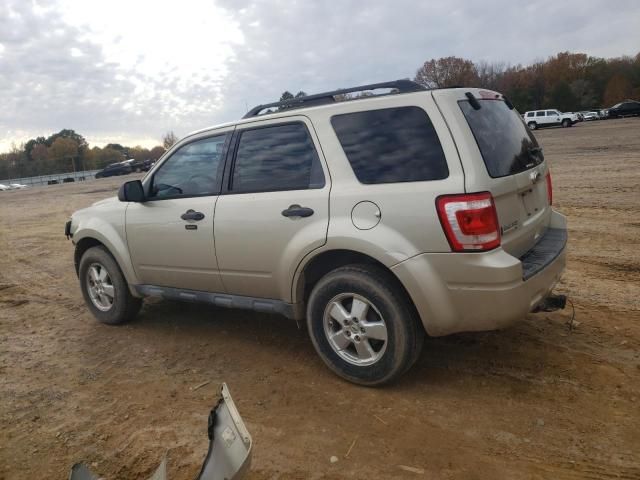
(131, 192)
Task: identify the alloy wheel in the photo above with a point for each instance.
(100, 287)
(355, 329)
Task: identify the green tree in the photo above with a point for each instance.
(63, 151)
(286, 95)
(583, 93)
(70, 134)
(563, 98)
(116, 146)
(31, 144)
(106, 156)
(77, 160)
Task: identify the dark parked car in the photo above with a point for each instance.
(628, 108)
(140, 165)
(121, 168)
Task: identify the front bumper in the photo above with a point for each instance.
(462, 292)
(67, 230)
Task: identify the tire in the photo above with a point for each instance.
(99, 274)
(566, 123)
(532, 125)
(389, 336)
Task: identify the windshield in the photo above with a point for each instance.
(506, 144)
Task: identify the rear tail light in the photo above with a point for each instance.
(470, 221)
(549, 188)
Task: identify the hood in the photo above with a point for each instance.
(106, 201)
(110, 204)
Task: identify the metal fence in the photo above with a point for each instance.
(53, 179)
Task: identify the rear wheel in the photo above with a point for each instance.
(532, 125)
(363, 326)
(104, 288)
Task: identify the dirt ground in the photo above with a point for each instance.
(535, 401)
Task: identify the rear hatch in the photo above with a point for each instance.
(499, 154)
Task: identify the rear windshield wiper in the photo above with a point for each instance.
(534, 150)
(473, 101)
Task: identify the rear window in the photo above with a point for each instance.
(506, 145)
(391, 145)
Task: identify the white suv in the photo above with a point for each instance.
(549, 118)
(375, 219)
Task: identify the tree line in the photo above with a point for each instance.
(68, 151)
(566, 81)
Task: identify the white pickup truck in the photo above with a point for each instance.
(549, 118)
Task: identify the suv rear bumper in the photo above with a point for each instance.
(462, 292)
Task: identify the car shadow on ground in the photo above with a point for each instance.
(519, 354)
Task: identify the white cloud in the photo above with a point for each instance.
(131, 70)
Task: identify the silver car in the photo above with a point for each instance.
(375, 219)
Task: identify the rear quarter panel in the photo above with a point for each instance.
(409, 223)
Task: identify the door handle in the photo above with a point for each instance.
(192, 215)
(297, 211)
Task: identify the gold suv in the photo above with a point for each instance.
(375, 218)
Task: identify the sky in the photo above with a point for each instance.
(127, 71)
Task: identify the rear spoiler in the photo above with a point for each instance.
(476, 105)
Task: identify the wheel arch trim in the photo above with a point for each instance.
(329, 259)
(88, 237)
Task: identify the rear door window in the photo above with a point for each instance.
(275, 158)
(391, 145)
(506, 145)
(539, 114)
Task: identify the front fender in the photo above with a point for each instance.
(112, 236)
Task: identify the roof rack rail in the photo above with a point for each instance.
(402, 86)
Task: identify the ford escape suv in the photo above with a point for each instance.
(375, 219)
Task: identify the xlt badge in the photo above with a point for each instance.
(507, 228)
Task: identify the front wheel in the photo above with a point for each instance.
(532, 125)
(104, 288)
(566, 123)
(363, 326)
